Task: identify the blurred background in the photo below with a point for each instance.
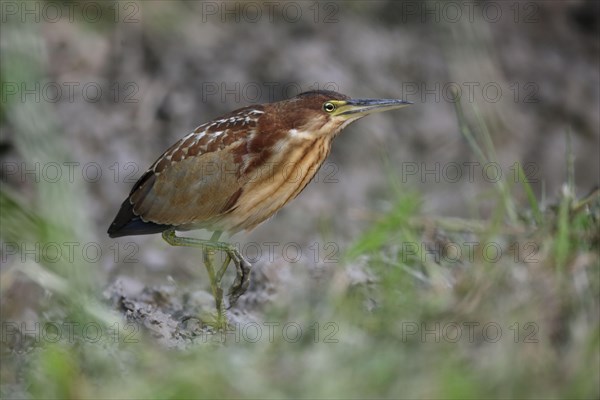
(93, 92)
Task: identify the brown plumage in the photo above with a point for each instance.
(234, 172)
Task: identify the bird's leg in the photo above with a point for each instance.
(215, 286)
(224, 267)
(242, 279)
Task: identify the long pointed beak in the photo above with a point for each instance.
(369, 106)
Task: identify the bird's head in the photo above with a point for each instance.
(323, 112)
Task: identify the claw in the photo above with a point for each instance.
(242, 279)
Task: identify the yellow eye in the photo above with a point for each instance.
(329, 107)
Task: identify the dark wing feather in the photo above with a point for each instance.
(127, 222)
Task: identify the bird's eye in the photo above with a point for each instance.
(328, 107)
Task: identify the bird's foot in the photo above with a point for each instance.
(194, 325)
(218, 322)
(242, 278)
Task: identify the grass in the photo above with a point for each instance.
(515, 327)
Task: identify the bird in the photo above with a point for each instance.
(234, 172)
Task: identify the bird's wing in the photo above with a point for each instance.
(197, 179)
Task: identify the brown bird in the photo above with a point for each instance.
(234, 172)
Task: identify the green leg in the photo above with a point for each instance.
(215, 286)
(242, 279)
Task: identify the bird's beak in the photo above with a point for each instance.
(361, 107)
